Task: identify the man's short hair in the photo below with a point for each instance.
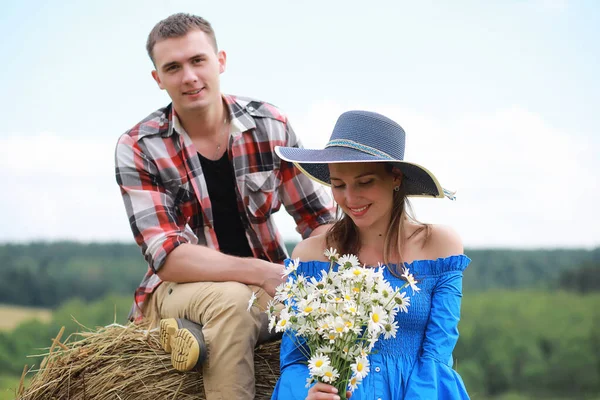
(178, 25)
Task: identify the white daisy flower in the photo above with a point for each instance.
(402, 301)
(330, 374)
(390, 329)
(309, 381)
(291, 267)
(271, 307)
(332, 254)
(377, 319)
(348, 261)
(282, 324)
(317, 363)
(360, 367)
(410, 279)
(339, 326)
(353, 383)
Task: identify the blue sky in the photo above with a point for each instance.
(499, 99)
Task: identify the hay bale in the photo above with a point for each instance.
(127, 362)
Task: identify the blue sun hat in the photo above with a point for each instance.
(364, 136)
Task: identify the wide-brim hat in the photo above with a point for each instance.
(364, 136)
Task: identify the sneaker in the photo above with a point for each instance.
(185, 341)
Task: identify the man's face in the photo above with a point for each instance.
(188, 68)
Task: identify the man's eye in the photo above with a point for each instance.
(365, 183)
(172, 68)
(197, 60)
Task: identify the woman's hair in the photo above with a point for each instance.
(344, 237)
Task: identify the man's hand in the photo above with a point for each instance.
(273, 277)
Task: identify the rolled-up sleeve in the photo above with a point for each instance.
(154, 221)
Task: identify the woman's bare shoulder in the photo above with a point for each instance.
(310, 249)
(443, 241)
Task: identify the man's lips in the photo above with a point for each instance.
(193, 92)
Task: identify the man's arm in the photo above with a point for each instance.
(167, 243)
(194, 263)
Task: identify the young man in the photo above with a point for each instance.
(200, 182)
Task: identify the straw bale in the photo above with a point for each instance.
(127, 362)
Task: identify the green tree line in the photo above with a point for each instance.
(48, 274)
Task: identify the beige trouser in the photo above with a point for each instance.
(230, 330)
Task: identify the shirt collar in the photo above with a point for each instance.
(239, 116)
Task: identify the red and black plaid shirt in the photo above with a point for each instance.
(166, 197)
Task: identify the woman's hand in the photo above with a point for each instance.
(323, 391)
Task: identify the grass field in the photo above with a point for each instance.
(11, 316)
(8, 384)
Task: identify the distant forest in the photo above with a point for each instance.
(48, 274)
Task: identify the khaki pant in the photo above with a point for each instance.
(230, 330)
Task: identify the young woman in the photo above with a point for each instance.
(364, 165)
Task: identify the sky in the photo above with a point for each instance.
(499, 99)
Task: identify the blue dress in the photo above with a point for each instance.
(417, 363)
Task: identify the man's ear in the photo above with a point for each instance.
(157, 79)
(222, 57)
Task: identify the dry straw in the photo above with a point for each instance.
(126, 362)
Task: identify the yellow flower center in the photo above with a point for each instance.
(319, 363)
(308, 309)
(359, 367)
(328, 374)
(283, 322)
(375, 317)
(339, 329)
(356, 272)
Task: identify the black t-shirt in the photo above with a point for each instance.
(227, 220)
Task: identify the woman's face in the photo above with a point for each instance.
(364, 191)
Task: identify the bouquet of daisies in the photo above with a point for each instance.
(338, 317)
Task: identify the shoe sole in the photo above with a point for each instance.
(185, 351)
(168, 329)
(181, 343)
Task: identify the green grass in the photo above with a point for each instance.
(8, 385)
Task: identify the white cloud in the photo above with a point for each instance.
(59, 188)
(520, 181)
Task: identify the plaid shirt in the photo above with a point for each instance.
(166, 197)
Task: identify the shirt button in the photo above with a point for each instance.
(250, 108)
(377, 369)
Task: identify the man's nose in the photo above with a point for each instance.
(189, 75)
